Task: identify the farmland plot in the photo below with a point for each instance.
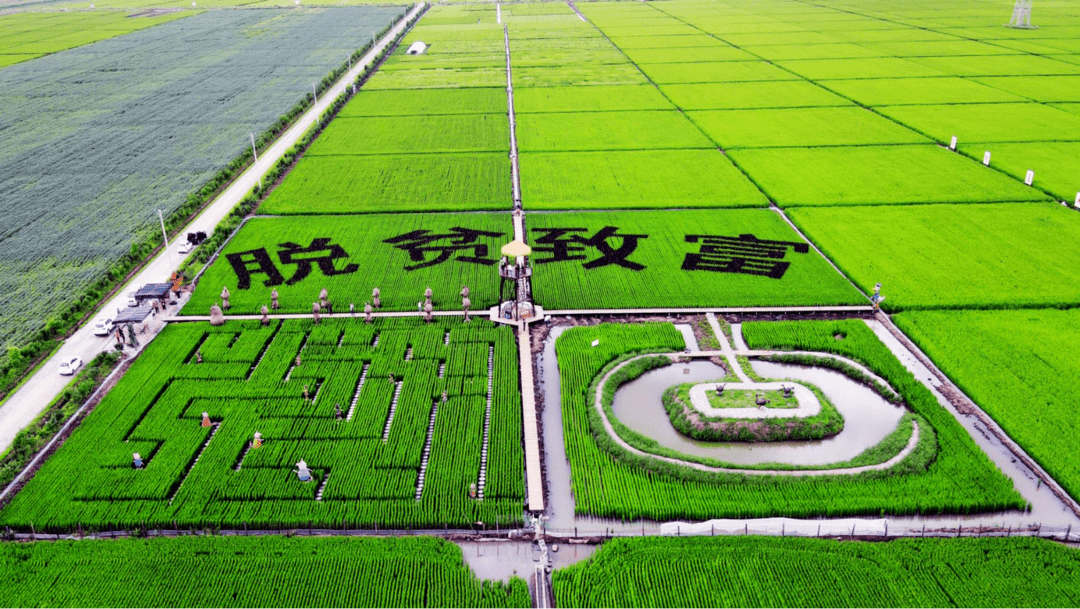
(608, 481)
(966, 256)
(989, 122)
(800, 127)
(346, 184)
(601, 260)
(803, 572)
(25, 36)
(86, 157)
(1017, 366)
(634, 179)
(401, 254)
(567, 131)
(876, 175)
(251, 572)
(398, 385)
(736, 95)
(413, 149)
(1056, 164)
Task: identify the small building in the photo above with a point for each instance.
(153, 291)
(132, 315)
(416, 48)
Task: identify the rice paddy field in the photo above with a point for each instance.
(680, 155)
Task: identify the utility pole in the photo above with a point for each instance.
(255, 156)
(314, 94)
(165, 239)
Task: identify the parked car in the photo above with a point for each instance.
(185, 247)
(131, 302)
(102, 326)
(70, 365)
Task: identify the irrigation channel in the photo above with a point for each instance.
(637, 405)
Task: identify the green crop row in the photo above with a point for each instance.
(1017, 366)
(250, 572)
(791, 572)
(610, 482)
(391, 381)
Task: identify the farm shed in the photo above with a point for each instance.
(416, 48)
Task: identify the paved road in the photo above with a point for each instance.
(46, 384)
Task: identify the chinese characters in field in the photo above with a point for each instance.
(743, 254)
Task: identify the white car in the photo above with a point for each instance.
(70, 365)
(131, 302)
(185, 247)
(102, 326)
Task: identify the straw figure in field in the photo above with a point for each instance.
(367, 312)
(464, 291)
(217, 318)
(265, 315)
(323, 295)
(198, 356)
(274, 300)
(427, 312)
(375, 300)
(316, 311)
(465, 304)
(427, 295)
(225, 299)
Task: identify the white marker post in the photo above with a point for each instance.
(1030, 177)
(952, 143)
(498, 13)
(1077, 203)
(986, 158)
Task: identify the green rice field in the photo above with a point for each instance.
(661, 160)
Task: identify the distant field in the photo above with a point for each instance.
(876, 175)
(967, 256)
(647, 260)
(98, 137)
(24, 36)
(634, 179)
(347, 184)
(1013, 364)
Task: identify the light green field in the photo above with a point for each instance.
(719, 71)
(707, 53)
(876, 175)
(737, 95)
(438, 78)
(944, 90)
(843, 126)
(558, 132)
(1014, 364)
(379, 183)
(967, 256)
(989, 122)
(422, 101)
(839, 50)
(877, 67)
(1039, 88)
(24, 36)
(579, 74)
(410, 134)
(587, 99)
(1056, 164)
(634, 179)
